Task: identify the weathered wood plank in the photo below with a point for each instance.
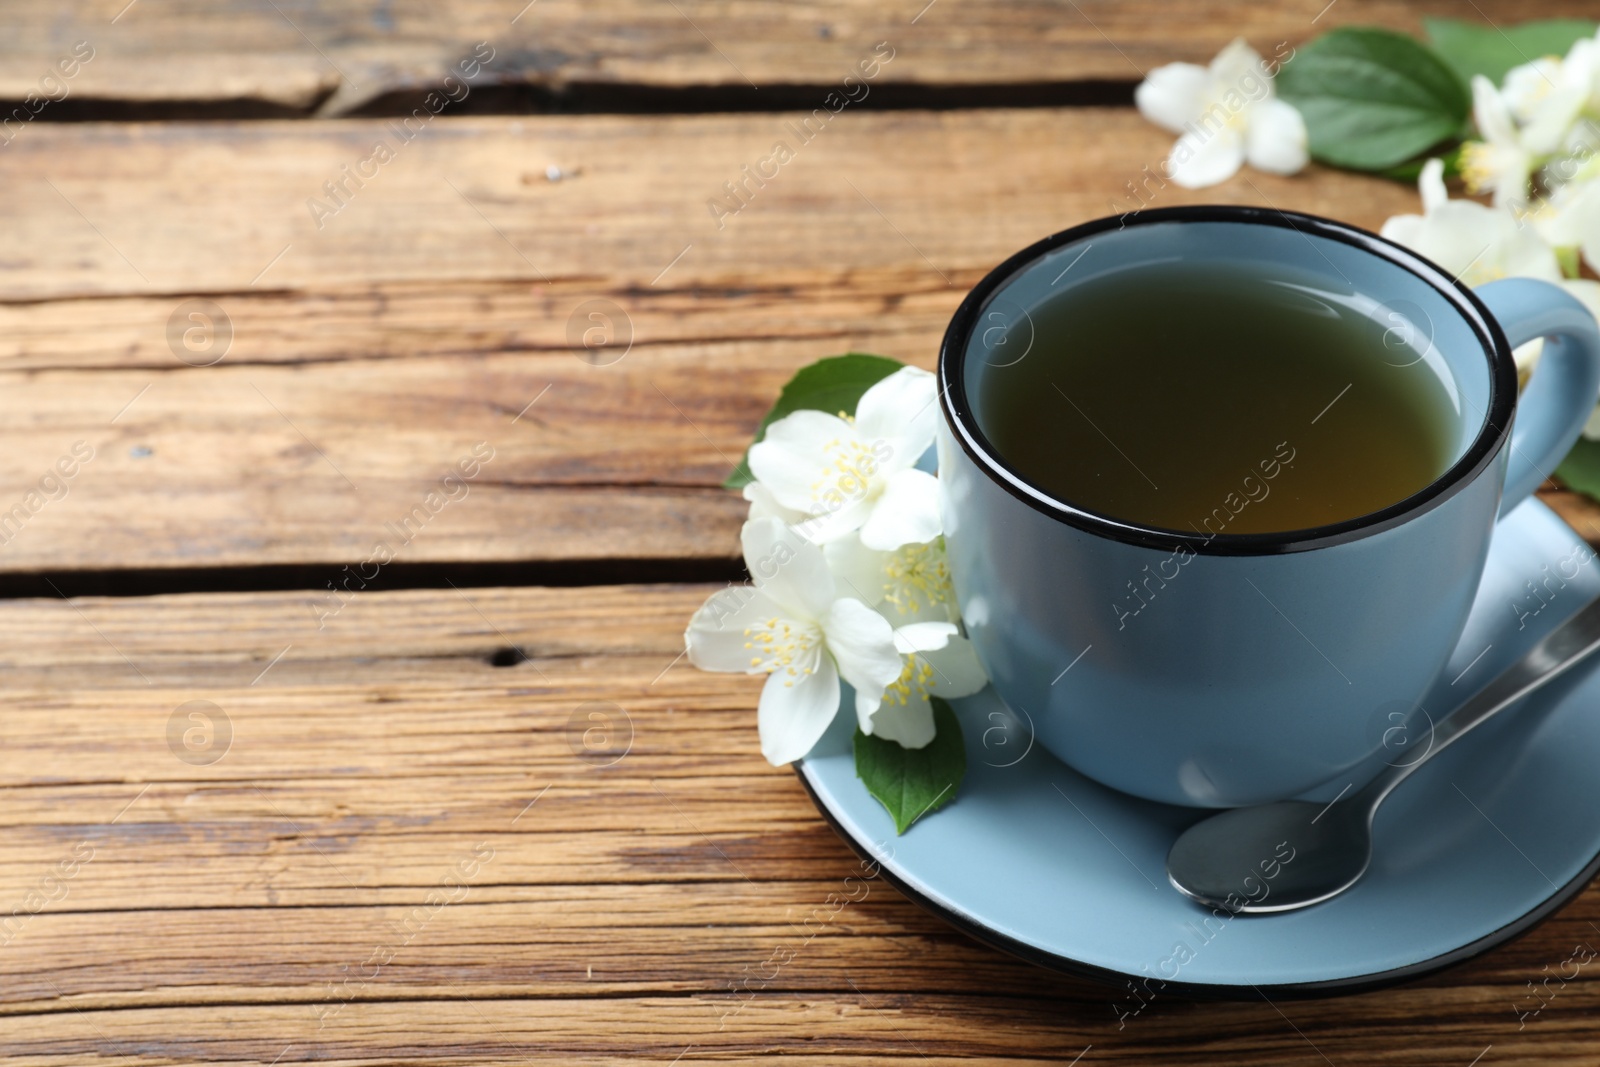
(231, 210)
(1580, 512)
(229, 912)
(375, 354)
(294, 55)
(424, 317)
(813, 1029)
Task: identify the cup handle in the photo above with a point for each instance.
(1561, 395)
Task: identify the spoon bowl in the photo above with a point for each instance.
(1293, 853)
(1272, 857)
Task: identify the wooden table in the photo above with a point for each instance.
(272, 795)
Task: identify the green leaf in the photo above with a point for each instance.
(1411, 170)
(1480, 48)
(833, 385)
(1581, 469)
(910, 782)
(1371, 98)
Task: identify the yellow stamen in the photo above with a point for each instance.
(918, 575)
(847, 472)
(783, 645)
(1477, 166)
(915, 678)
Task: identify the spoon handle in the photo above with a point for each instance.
(1551, 656)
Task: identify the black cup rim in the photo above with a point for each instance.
(1483, 450)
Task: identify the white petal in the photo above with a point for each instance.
(1480, 244)
(1523, 254)
(1582, 142)
(1235, 63)
(715, 637)
(1489, 112)
(1404, 229)
(956, 670)
(1499, 162)
(827, 526)
(787, 568)
(787, 474)
(1511, 184)
(924, 636)
(789, 460)
(906, 513)
(1585, 56)
(1173, 95)
(794, 713)
(1276, 141)
(1582, 67)
(1570, 215)
(911, 723)
(862, 643)
(763, 505)
(1586, 291)
(1526, 357)
(1551, 105)
(1528, 84)
(900, 409)
(859, 570)
(806, 429)
(1553, 119)
(1430, 183)
(1201, 158)
(1583, 209)
(1459, 234)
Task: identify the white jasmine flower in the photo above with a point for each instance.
(1569, 220)
(911, 588)
(1472, 241)
(846, 473)
(1227, 113)
(1528, 87)
(1500, 163)
(1479, 244)
(937, 661)
(1547, 95)
(1578, 158)
(1587, 291)
(909, 585)
(792, 626)
(763, 505)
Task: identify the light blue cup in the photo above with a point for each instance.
(1258, 666)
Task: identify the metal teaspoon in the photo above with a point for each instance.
(1217, 860)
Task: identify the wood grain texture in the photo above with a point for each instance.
(295, 55)
(227, 208)
(230, 911)
(365, 783)
(425, 317)
(368, 356)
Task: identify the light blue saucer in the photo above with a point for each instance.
(1474, 849)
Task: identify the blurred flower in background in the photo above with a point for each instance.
(1227, 115)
